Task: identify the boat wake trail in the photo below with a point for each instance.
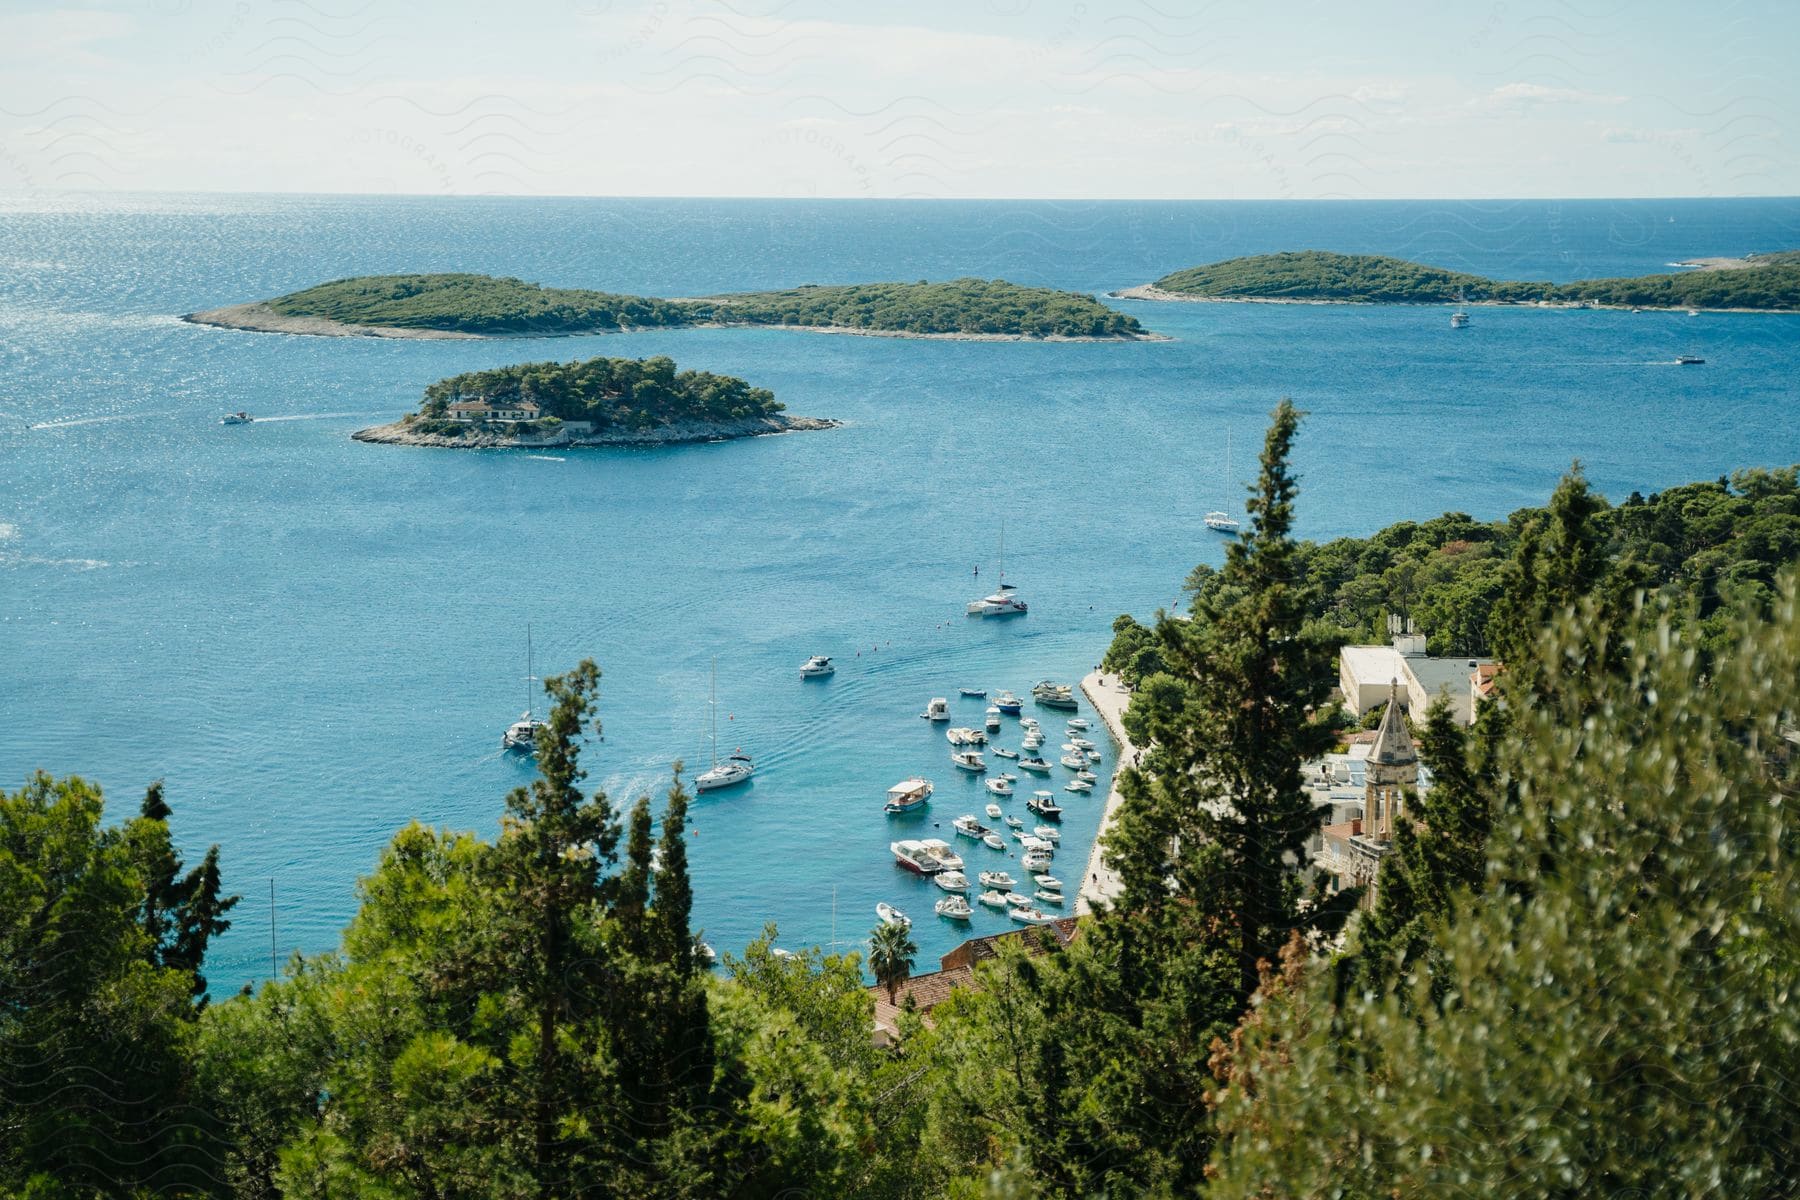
(310, 417)
(546, 458)
(73, 421)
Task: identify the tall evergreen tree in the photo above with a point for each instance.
(180, 913)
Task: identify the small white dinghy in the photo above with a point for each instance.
(892, 916)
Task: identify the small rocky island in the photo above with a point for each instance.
(594, 402)
(1754, 283)
(464, 306)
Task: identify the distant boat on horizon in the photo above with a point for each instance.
(522, 734)
(1223, 522)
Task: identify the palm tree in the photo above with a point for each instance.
(891, 952)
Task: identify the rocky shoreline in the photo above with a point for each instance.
(399, 433)
(1149, 291)
(258, 317)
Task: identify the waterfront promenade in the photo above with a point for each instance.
(1100, 884)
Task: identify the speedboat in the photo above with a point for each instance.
(1688, 360)
(937, 710)
(1035, 861)
(952, 881)
(992, 841)
(969, 827)
(993, 810)
(969, 760)
(1053, 695)
(1075, 760)
(1080, 743)
(1031, 843)
(955, 907)
(1030, 916)
(1018, 899)
(1093, 756)
(236, 418)
(1014, 823)
(1028, 724)
(1008, 776)
(1044, 805)
(1079, 784)
(1076, 723)
(1005, 602)
(734, 770)
(960, 735)
(1032, 741)
(1086, 777)
(915, 857)
(1008, 703)
(974, 693)
(994, 899)
(907, 796)
(892, 916)
(816, 667)
(1048, 897)
(1049, 883)
(1003, 752)
(1000, 787)
(947, 859)
(1049, 833)
(997, 879)
(991, 719)
(1034, 763)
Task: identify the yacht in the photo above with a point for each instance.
(1460, 318)
(1008, 703)
(1044, 805)
(236, 418)
(939, 849)
(915, 857)
(994, 899)
(1034, 763)
(969, 760)
(937, 710)
(993, 841)
(1053, 695)
(1003, 752)
(999, 787)
(817, 667)
(952, 881)
(994, 812)
(1005, 601)
(734, 770)
(999, 880)
(969, 827)
(907, 796)
(1222, 522)
(889, 915)
(955, 907)
(522, 734)
(991, 719)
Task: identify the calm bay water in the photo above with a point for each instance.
(315, 641)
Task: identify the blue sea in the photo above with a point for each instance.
(315, 641)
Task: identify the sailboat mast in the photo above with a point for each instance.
(528, 666)
(713, 706)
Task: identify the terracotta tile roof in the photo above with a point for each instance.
(957, 970)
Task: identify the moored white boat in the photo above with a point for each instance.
(915, 857)
(522, 734)
(1048, 897)
(1035, 861)
(955, 907)
(1044, 805)
(1008, 703)
(994, 899)
(1077, 723)
(1030, 916)
(952, 881)
(1075, 760)
(1079, 784)
(1049, 833)
(817, 667)
(947, 858)
(1014, 823)
(1080, 743)
(969, 760)
(962, 735)
(1034, 763)
(734, 770)
(994, 812)
(999, 786)
(991, 719)
(1003, 752)
(1053, 695)
(1048, 882)
(938, 709)
(969, 827)
(908, 795)
(997, 879)
(992, 841)
(1018, 899)
(974, 693)
(889, 915)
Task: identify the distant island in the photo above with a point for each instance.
(1758, 283)
(461, 306)
(593, 402)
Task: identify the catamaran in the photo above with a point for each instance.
(734, 770)
(522, 734)
(1004, 602)
(1223, 522)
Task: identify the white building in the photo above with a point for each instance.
(1366, 673)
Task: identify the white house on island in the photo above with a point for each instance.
(494, 410)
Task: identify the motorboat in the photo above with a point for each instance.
(993, 841)
(732, 771)
(1079, 784)
(969, 827)
(1049, 883)
(1028, 724)
(1008, 776)
(937, 710)
(952, 881)
(993, 811)
(907, 796)
(915, 857)
(1030, 916)
(816, 667)
(1053, 695)
(1075, 760)
(947, 858)
(522, 734)
(705, 953)
(974, 693)
(999, 787)
(1003, 752)
(1035, 861)
(1014, 823)
(1008, 703)
(1049, 833)
(991, 719)
(1093, 756)
(1034, 763)
(1688, 360)
(1018, 899)
(889, 915)
(1087, 776)
(955, 907)
(1459, 319)
(969, 760)
(1044, 805)
(993, 899)
(1078, 724)
(997, 879)
(236, 418)
(1080, 743)
(1031, 843)
(1032, 741)
(962, 735)
(1047, 897)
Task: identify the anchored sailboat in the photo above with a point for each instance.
(1223, 522)
(734, 770)
(1005, 601)
(521, 735)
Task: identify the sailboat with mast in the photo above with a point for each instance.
(522, 734)
(1223, 522)
(1005, 601)
(734, 770)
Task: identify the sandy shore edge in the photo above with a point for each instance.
(399, 433)
(258, 317)
(1100, 884)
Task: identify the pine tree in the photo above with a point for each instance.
(180, 913)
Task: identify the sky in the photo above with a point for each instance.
(1153, 99)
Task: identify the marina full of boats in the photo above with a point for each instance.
(1008, 859)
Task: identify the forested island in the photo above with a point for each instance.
(1573, 973)
(1763, 282)
(591, 402)
(462, 305)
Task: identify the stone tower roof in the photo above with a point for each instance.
(1393, 742)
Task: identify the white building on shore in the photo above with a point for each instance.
(1366, 673)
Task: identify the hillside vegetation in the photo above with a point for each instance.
(1770, 281)
(483, 304)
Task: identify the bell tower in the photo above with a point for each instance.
(1392, 768)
